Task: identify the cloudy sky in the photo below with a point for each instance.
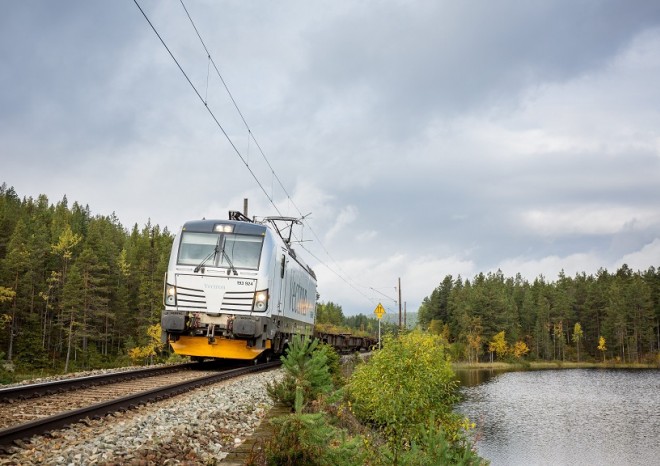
(425, 138)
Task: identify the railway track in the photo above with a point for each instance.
(37, 409)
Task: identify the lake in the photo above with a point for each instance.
(565, 417)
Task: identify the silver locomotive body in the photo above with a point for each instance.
(235, 289)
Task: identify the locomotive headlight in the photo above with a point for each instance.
(222, 228)
(170, 295)
(260, 301)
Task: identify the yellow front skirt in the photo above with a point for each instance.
(221, 348)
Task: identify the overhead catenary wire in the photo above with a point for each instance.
(252, 136)
(270, 197)
(338, 274)
(208, 109)
(231, 97)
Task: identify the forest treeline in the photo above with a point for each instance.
(77, 291)
(614, 316)
(80, 291)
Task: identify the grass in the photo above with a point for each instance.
(500, 365)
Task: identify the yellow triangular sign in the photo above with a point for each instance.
(379, 311)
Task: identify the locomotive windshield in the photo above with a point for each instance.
(240, 251)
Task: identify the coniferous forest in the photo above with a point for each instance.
(79, 291)
(76, 291)
(609, 316)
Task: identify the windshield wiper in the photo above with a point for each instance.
(231, 266)
(211, 254)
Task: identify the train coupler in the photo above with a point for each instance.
(210, 333)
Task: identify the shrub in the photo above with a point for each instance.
(402, 386)
(406, 391)
(333, 362)
(309, 439)
(433, 447)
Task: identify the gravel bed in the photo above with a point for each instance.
(197, 428)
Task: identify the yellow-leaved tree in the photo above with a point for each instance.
(601, 346)
(498, 345)
(147, 352)
(577, 337)
(6, 295)
(437, 327)
(474, 339)
(520, 349)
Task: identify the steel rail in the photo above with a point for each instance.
(26, 391)
(42, 426)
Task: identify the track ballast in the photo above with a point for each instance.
(41, 411)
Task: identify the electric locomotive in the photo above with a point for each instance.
(235, 289)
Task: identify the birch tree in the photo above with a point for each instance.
(577, 337)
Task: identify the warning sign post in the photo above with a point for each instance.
(379, 311)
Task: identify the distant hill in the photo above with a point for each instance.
(393, 318)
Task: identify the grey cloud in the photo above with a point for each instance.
(422, 116)
(444, 58)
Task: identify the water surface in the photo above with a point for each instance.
(572, 417)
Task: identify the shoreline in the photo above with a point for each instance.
(499, 365)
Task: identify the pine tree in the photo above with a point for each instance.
(95, 299)
(307, 373)
(10, 212)
(17, 265)
(73, 301)
(329, 313)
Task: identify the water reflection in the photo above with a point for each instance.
(472, 377)
(579, 416)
